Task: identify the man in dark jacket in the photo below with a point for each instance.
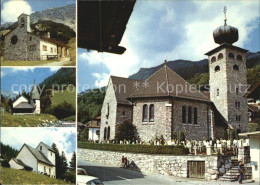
(241, 172)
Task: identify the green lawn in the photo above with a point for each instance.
(61, 96)
(9, 120)
(24, 63)
(12, 176)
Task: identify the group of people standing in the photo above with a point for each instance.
(124, 162)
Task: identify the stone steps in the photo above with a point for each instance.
(233, 174)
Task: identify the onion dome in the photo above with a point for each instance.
(225, 34)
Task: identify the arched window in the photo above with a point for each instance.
(235, 67)
(220, 56)
(217, 68)
(189, 115)
(105, 133)
(107, 110)
(231, 56)
(213, 59)
(145, 113)
(239, 57)
(151, 112)
(22, 22)
(108, 133)
(195, 112)
(184, 114)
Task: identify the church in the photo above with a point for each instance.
(23, 106)
(165, 104)
(40, 160)
(21, 44)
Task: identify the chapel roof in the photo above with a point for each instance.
(23, 105)
(18, 161)
(39, 155)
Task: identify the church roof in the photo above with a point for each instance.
(156, 86)
(123, 88)
(23, 105)
(18, 161)
(39, 155)
(35, 95)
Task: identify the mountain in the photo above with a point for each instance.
(65, 15)
(188, 69)
(8, 94)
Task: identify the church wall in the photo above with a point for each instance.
(33, 43)
(47, 169)
(14, 165)
(108, 112)
(19, 50)
(162, 121)
(27, 158)
(192, 131)
(124, 113)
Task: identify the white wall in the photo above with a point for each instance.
(26, 156)
(49, 46)
(255, 156)
(20, 100)
(92, 134)
(47, 168)
(38, 107)
(49, 154)
(14, 165)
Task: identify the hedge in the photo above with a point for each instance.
(135, 148)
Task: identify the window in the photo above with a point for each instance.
(107, 110)
(238, 118)
(189, 115)
(184, 114)
(237, 90)
(41, 148)
(44, 169)
(145, 113)
(51, 50)
(151, 112)
(195, 112)
(51, 153)
(237, 104)
(220, 56)
(30, 38)
(217, 68)
(97, 132)
(231, 56)
(22, 22)
(235, 67)
(217, 92)
(14, 39)
(105, 133)
(239, 57)
(49, 170)
(108, 133)
(44, 48)
(123, 113)
(213, 59)
(32, 48)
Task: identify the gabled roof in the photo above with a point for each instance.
(123, 88)
(253, 108)
(35, 95)
(23, 105)
(254, 91)
(156, 86)
(38, 155)
(18, 161)
(47, 146)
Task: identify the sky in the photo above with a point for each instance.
(11, 9)
(64, 138)
(18, 79)
(171, 30)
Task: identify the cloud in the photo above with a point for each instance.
(15, 70)
(101, 79)
(54, 69)
(33, 136)
(12, 9)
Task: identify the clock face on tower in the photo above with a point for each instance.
(14, 39)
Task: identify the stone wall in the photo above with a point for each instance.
(124, 113)
(162, 164)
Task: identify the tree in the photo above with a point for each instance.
(126, 131)
(63, 165)
(73, 161)
(57, 160)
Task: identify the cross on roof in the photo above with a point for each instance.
(225, 11)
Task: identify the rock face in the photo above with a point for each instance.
(65, 15)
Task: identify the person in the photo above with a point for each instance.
(123, 161)
(241, 170)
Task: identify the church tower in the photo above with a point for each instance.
(24, 22)
(35, 97)
(227, 70)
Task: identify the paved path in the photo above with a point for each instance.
(112, 175)
(64, 61)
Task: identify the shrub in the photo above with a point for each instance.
(63, 110)
(5, 164)
(126, 131)
(70, 176)
(148, 149)
(181, 136)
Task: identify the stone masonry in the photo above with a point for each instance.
(162, 164)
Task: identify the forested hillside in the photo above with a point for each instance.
(7, 152)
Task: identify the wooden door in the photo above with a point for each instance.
(196, 169)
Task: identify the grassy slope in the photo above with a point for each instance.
(61, 96)
(12, 176)
(8, 120)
